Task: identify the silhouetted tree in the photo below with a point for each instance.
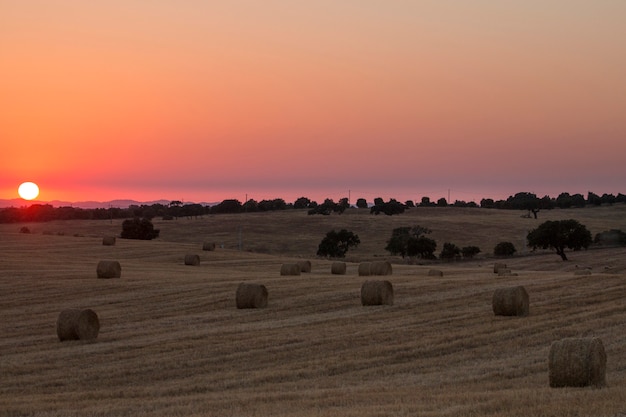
(450, 252)
(302, 203)
(361, 203)
(559, 235)
(410, 241)
(504, 249)
(137, 228)
(469, 252)
(336, 244)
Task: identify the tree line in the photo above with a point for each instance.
(176, 209)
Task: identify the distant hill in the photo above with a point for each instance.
(18, 202)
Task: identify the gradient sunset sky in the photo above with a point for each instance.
(208, 100)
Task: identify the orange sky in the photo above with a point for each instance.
(202, 101)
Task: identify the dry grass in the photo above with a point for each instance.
(172, 341)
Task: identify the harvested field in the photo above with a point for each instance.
(172, 341)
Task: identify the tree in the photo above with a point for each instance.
(361, 203)
(336, 244)
(301, 203)
(421, 246)
(227, 206)
(559, 235)
(409, 241)
(504, 249)
(389, 208)
(469, 252)
(450, 251)
(137, 228)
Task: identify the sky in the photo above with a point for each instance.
(202, 101)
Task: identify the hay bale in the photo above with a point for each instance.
(380, 268)
(108, 241)
(305, 266)
(338, 268)
(77, 324)
(577, 362)
(435, 273)
(109, 269)
(251, 296)
(498, 266)
(374, 293)
(192, 259)
(290, 269)
(365, 269)
(208, 246)
(511, 301)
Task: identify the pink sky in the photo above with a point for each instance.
(203, 101)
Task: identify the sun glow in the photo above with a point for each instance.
(28, 190)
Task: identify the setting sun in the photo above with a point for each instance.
(28, 190)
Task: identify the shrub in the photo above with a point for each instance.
(611, 237)
(504, 249)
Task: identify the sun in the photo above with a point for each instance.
(28, 190)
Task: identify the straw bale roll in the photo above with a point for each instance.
(192, 259)
(108, 241)
(577, 362)
(435, 273)
(338, 268)
(77, 324)
(290, 269)
(375, 293)
(365, 269)
(498, 266)
(511, 301)
(208, 246)
(109, 269)
(380, 268)
(305, 266)
(251, 295)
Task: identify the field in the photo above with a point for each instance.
(172, 342)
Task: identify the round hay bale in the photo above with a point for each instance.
(338, 268)
(365, 269)
(109, 269)
(77, 324)
(435, 273)
(192, 259)
(374, 293)
(511, 301)
(305, 266)
(381, 268)
(290, 269)
(208, 246)
(108, 241)
(498, 266)
(251, 296)
(577, 362)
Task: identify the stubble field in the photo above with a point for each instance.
(172, 342)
